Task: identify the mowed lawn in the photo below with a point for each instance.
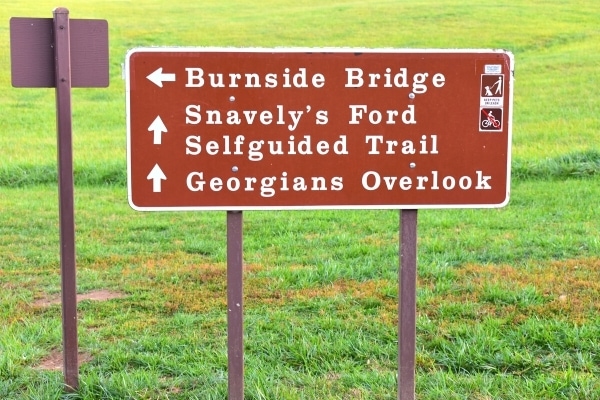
(508, 299)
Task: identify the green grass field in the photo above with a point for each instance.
(508, 300)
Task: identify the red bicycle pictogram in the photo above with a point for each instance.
(490, 120)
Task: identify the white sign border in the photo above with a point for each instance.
(174, 49)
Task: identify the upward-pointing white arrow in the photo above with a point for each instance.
(158, 77)
(158, 127)
(157, 176)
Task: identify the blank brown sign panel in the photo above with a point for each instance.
(32, 52)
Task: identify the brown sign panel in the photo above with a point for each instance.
(227, 129)
(32, 52)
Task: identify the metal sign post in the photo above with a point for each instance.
(407, 305)
(66, 198)
(62, 53)
(235, 306)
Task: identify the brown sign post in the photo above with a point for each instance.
(56, 52)
(265, 129)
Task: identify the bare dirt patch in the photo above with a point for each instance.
(96, 295)
(54, 361)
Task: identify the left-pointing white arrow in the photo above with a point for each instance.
(158, 127)
(157, 176)
(158, 77)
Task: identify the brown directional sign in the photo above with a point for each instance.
(229, 129)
